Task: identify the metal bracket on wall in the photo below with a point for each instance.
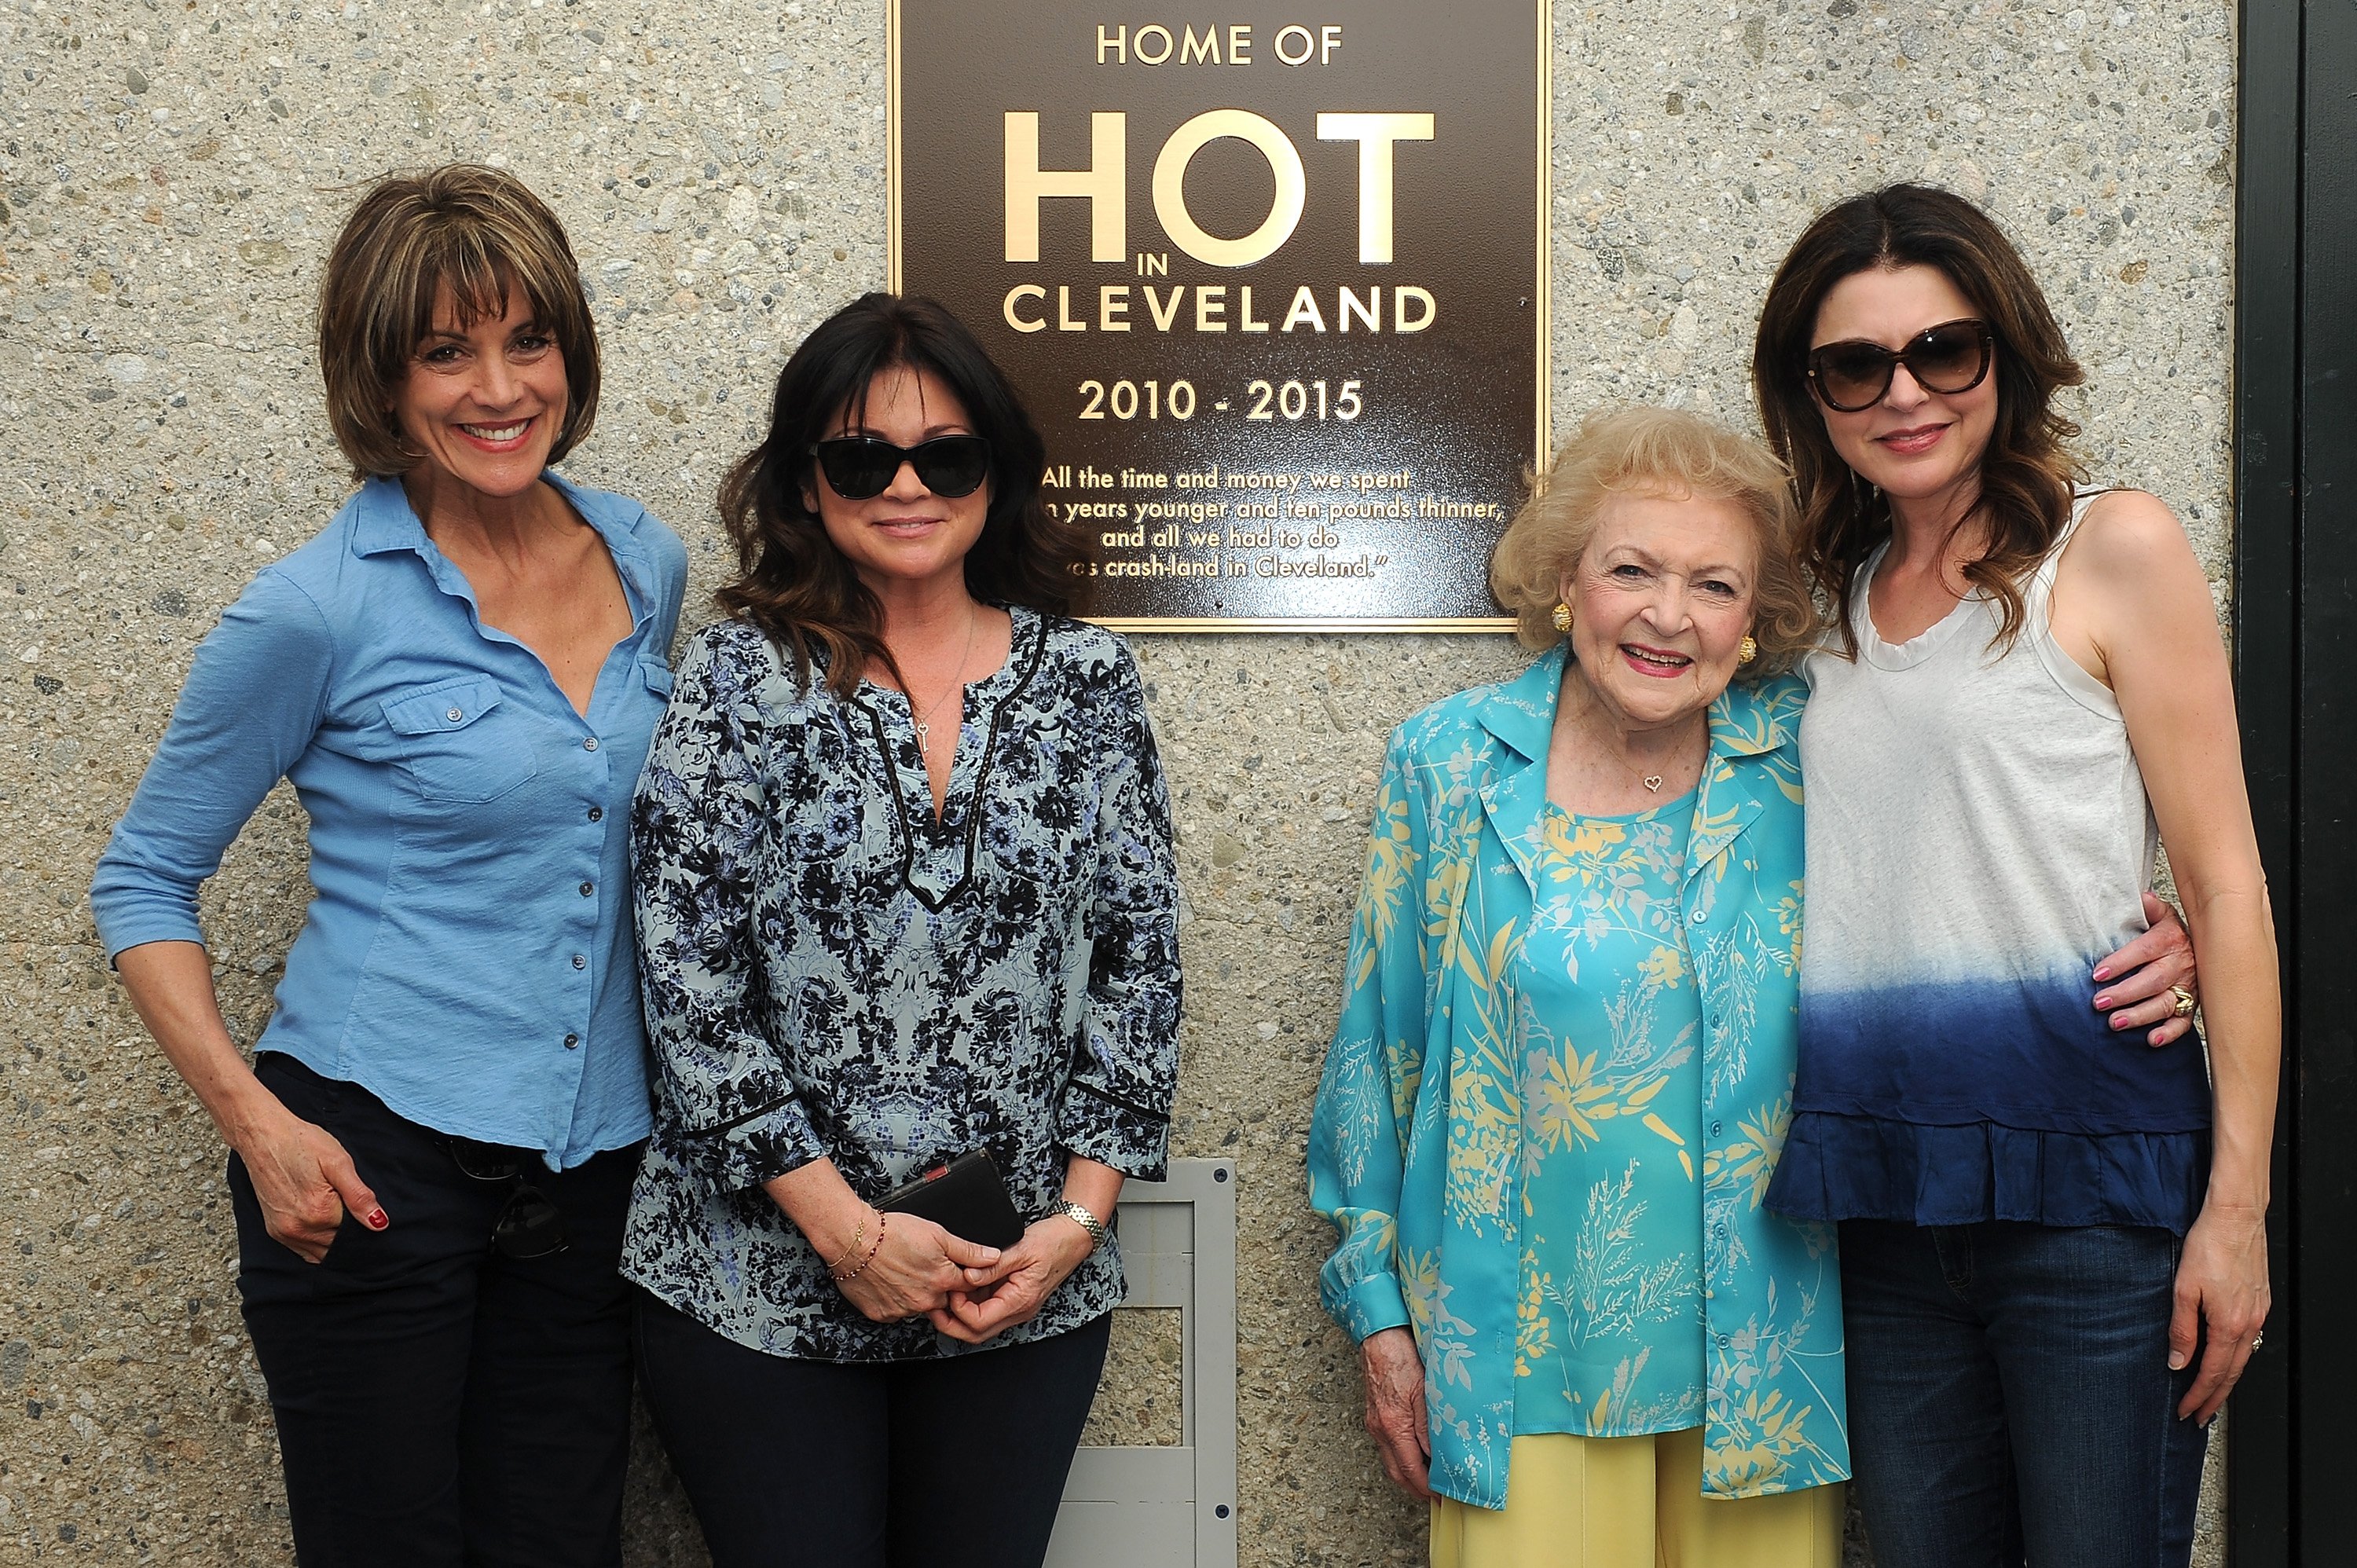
(1156, 1506)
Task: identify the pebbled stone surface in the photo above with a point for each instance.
(170, 175)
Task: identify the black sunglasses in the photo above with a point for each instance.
(859, 467)
(1952, 357)
(530, 1225)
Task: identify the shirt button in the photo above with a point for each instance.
(454, 715)
(589, 888)
(1713, 1126)
(1696, 916)
(572, 1042)
(597, 813)
(589, 745)
(582, 962)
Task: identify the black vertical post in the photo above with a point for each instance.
(2325, 1223)
(2263, 1478)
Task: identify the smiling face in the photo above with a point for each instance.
(1917, 444)
(907, 537)
(1659, 602)
(484, 403)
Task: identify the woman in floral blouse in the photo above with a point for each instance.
(1565, 1056)
(905, 890)
(1564, 1069)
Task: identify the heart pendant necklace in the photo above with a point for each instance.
(1653, 782)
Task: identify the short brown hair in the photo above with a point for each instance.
(480, 232)
(1656, 451)
(2027, 473)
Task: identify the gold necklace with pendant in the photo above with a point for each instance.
(923, 722)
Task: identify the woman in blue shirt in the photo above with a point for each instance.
(432, 1152)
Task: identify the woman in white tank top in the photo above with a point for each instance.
(2054, 1260)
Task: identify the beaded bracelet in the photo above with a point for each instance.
(858, 1234)
(847, 1279)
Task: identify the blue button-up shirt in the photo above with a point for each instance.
(467, 956)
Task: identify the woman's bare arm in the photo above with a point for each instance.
(2132, 596)
(303, 1178)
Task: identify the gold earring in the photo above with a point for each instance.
(1563, 617)
(1746, 651)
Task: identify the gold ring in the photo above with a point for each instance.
(2184, 1007)
(2258, 1338)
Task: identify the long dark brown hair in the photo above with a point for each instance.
(791, 581)
(2027, 475)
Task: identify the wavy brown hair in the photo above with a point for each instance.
(2027, 473)
(1657, 452)
(791, 581)
(480, 232)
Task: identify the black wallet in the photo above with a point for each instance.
(966, 1198)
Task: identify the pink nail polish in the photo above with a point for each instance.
(2101, 976)
(2104, 1004)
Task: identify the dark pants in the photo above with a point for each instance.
(441, 1404)
(2010, 1397)
(797, 1464)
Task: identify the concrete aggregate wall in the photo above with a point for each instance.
(171, 172)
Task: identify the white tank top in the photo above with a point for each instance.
(1978, 836)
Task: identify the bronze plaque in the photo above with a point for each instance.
(1274, 286)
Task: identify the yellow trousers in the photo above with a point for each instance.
(1632, 1502)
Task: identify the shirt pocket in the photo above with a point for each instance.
(455, 745)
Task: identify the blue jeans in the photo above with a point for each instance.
(2010, 1398)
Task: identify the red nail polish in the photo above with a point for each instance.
(376, 1219)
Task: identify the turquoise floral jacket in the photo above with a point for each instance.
(1415, 1149)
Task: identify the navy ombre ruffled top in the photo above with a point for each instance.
(1978, 840)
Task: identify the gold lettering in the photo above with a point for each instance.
(1170, 195)
(1113, 307)
(1164, 315)
(1139, 43)
(1370, 314)
(1206, 48)
(1305, 308)
(1401, 296)
(1064, 322)
(1119, 42)
(1240, 43)
(1022, 291)
(1374, 134)
(1211, 307)
(1244, 312)
(1102, 183)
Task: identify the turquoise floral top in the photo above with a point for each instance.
(1418, 1150)
(1607, 1026)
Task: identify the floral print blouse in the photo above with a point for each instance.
(831, 971)
(1609, 1320)
(1417, 1147)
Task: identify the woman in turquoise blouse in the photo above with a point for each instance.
(1564, 1069)
(1564, 1060)
(1563, 1074)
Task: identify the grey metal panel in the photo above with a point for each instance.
(1135, 1535)
(1170, 1508)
